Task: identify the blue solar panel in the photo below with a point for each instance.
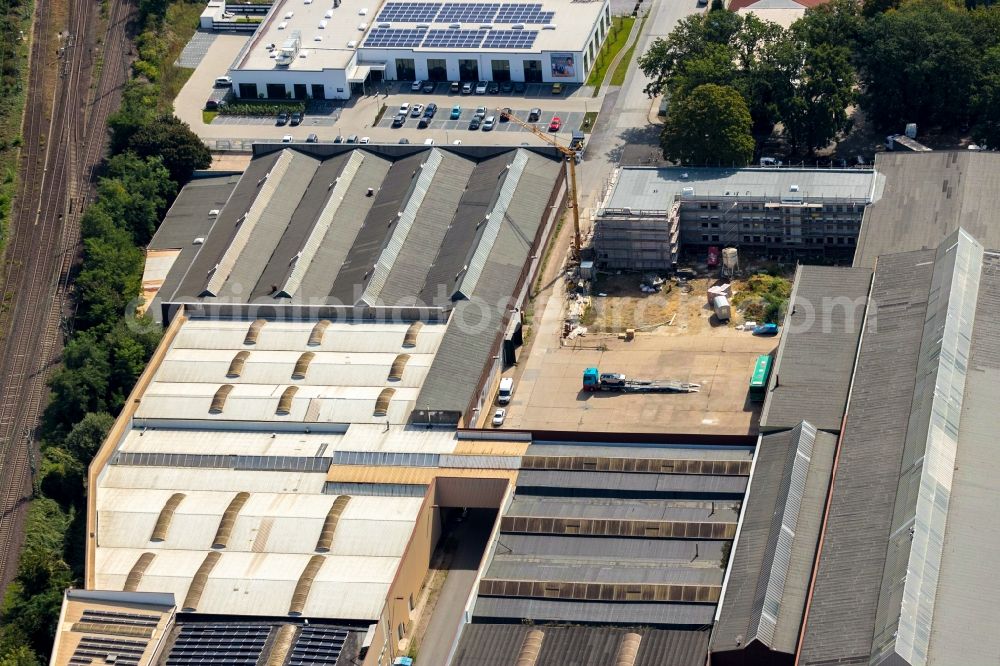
(409, 12)
(523, 13)
(468, 12)
(395, 37)
(510, 39)
(454, 39)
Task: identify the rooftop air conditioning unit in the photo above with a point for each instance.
(322, 25)
(363, 11)
(328, 14)
(353, 44)
(318, 38)
(549, 26)
(485, 27)
(518, 26)
(200, 240)
(303, 53)
(289, 15)
(454, 26)
(423, 25)
(362, 26)
(282, 25)
(214, 212)
(793, 188)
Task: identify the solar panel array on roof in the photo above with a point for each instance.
(107, 650)
(468, 12)
(517, 12)
(228, 644)
(510, 39)
(393, 459)
(219, 461)
(454, 39)
(317, 645)
(395, 37)
(409, 12)
(125, 619)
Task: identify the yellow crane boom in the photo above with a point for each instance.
(570, 155)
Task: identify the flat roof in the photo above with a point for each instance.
(819, 343)
(927, 197)
(652, 188)
(500, 645)
(484, 26)
(340, 25)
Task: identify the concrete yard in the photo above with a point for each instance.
(548, 395)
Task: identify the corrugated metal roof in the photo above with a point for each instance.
(171, 478)
(651, 188)
(927, 197)
(769, 580)
(841, 619)
(690, 485)
(623, 509)
(498, 645)
(438, 211)
(819, 342)
(686, 552)
(664, 451)
(581, 570)
(409, 475)
(964, 627)
(401, 229)
(550, 610)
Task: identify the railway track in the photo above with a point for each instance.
(64, 140)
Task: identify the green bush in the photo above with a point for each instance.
(268, 108)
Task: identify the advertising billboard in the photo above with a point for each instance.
(563, 66)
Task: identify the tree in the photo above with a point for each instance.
(111, 276)
(21, 655)
(837, 23)
(919, 64)
(130, 344)
(137, 193)
(88, 434)
(689, 40)
(60, 476)
(138, 107)
(816, 110)
(81, 385)
(709, 126)
(173, 141)
(986, 101)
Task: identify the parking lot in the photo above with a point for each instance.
(364, 116)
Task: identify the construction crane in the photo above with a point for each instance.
(570, 155)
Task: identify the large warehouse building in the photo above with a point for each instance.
(329, 49)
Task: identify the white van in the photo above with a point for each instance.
(506, 390)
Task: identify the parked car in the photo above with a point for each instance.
(519, 87)
(455, 87)
(416, 85)
(295, 119)
(506, 87)
(456, 142)
(534, 115)
(214, 104)
(399, 120)
(429, 86)
(489, 123)
(352, 139)
(404, 140)
(365, 140)
(282, 119)
(456, 112)
(481, 112)
(404, 108)
(481, 88)
(428, 142)
(430, 110)
(474, 123)
(467, 88)
(423, 122)
(416, 110)
(223, 82)
(493, 88)
(312, 138)
(499, 416)
(286, 139)
(505, 114)
(555, 124)
(557, 89)
(339, 139)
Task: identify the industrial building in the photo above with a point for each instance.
(648, 215)
(332, 49)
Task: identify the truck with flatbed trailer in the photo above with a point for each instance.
(595, 380)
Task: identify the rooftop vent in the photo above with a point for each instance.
(219, 399)
(549, 26)
(318, 38)
(793, 188)
(200, 240)
(282, 25)
(454, 26)
(162, 526)
(229, 520)
(316, 336)
(382, 403)
(398, 365)
(254, 331)
(353, 44)
(328, 14)
(362, 26)
(517, 26)
(330, 524)
(236, 365)
(214, 212)
(628, 650)
(285, 401)
(385, 25)
(302, 365)
(197, 586)
(322, 25)
(530, 647)
(486, 26)
(423, 25)
(363, 11)
(289, 15)
(410, 339)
